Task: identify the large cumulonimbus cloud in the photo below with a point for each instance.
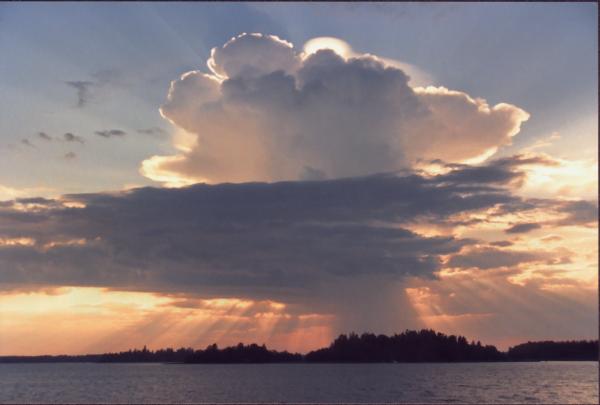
(267, 111)
(343, 247)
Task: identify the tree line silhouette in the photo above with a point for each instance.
(406, 347)
(410, 346)
(549, 350)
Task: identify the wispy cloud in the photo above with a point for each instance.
(83, 91)
(523, 228)
(156, 131)
(27, 142)
(44, 136)
(110, 133)
(69, 137)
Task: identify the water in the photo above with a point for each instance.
(543, 382)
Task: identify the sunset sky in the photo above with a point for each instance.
(182, 174)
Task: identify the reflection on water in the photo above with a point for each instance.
(543, 382)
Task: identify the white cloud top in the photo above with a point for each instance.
(267, 112)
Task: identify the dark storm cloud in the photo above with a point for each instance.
(246, 238)
(490, 258)
(83, 91)
(109, 133)
(523, 228)
(521, 160)
(500, 171)
(257, 240)
(36, 200)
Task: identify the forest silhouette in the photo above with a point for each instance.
(407, 347)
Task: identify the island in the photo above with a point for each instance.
(407, 347)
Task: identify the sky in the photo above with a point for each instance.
(178, 174)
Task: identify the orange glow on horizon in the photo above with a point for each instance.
(77, 320)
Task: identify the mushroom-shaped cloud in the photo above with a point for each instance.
(268, 112)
